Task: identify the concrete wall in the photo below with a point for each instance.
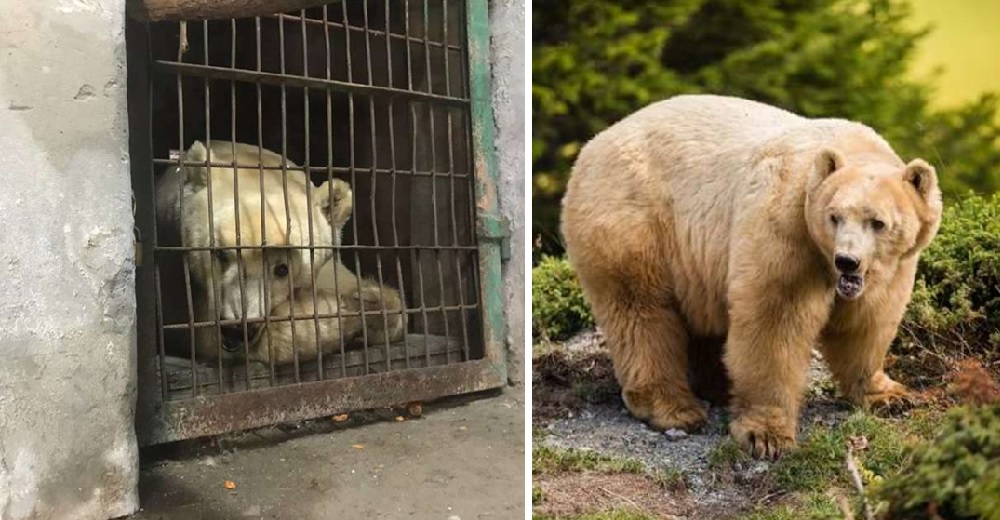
(67, 383)
(67, 323)
(507, 56)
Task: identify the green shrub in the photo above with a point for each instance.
(956, 301)
(558, 309)
(958, 474)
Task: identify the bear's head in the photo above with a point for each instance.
(253, 229)
(867, 214)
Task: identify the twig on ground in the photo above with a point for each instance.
(845, 507)
(852, 469)
(612, 494)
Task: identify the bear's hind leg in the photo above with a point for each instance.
(648, 344)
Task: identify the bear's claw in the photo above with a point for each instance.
(762, 438)
(884, 392)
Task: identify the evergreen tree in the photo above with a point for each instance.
(596, 61)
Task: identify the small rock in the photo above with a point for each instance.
(454, 517)
(675, 434)
(252, 511)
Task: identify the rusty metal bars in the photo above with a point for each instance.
(382, 90)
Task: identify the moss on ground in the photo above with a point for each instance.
(546, 460)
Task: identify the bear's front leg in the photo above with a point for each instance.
(855, 357)
(387, 326)
(773, 325)
(856, 340)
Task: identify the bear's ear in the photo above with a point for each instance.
(828, 161)
(194, 164)
(921, 176)
(335, 201)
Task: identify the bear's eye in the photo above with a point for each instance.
(834, 219)
(877, 224)
(281, 270)
(222, 255)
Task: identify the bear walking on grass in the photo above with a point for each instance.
(707, 216)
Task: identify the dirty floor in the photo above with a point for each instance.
(463, 458)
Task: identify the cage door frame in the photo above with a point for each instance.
(159, 420)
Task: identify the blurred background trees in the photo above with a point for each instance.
(596, 61)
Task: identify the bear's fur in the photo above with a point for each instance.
(275, 208)
(337, 289)
(706, 216)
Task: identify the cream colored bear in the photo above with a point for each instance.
(337, 290)
(707, 216)
(252, 229)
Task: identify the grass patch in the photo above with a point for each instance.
(725, 454)
(818, 463)
(546, 460)
(614, 514)
(812, 506)
(924, 423)
(670, 479)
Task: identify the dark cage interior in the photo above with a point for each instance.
(359, 101)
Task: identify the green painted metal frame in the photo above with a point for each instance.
(491, 229)
(161, 421)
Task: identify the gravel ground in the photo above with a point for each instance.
(604, 425)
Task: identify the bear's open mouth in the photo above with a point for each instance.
(849, 286)
(232, 336)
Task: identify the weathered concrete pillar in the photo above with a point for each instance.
(67, 316)
(508, 60)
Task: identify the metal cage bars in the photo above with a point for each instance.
(170, 420)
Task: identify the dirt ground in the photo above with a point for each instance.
(577, 406)
(462, 459)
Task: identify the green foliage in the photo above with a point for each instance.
(725, 454)
(558, 308)
(818, 463)
(596, 61)
(959, 472)
(956, 301)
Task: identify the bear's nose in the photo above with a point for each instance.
(846, 264)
